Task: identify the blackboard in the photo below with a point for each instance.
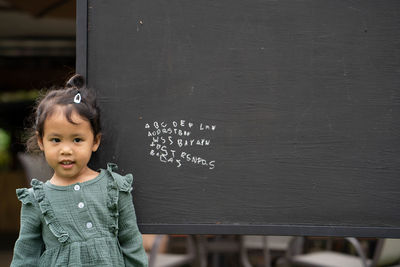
(250, 117)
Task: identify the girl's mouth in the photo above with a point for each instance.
(67, 164)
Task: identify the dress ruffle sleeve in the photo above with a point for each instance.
(24, 196)
(29, 246)
(48, 212)
(124, 225)
(112, 202)
(124, 183)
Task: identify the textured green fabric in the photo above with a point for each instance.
(85, 224)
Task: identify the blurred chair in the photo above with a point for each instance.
(35, 166)
(269, 245)
(387, 252)
(216, 245)
(161, 259)
(241, 244)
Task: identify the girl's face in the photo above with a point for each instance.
(68, 147)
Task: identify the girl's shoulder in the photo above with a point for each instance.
(123, 182)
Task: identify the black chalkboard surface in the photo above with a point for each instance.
(250, 117)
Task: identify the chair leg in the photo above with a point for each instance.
(244, 259)
(377, 252)
(200, 250)
(359, 250)
(266, 252)
(154, 249)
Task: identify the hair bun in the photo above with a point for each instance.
(76, 81)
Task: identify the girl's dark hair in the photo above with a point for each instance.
(87, 108)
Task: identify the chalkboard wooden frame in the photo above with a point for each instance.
(300, 230)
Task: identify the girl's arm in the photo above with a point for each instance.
(29, 245)
(129, 237)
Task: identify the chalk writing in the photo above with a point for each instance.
(168, 139)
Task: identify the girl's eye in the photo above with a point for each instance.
(55, 140)
(78, 140)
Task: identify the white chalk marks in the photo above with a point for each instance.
(180, 142)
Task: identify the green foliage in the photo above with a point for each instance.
(9, 97)
(5, 142)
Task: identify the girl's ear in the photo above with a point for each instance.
(39, 141)
(96, 142)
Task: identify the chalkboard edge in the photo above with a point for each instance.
(285, 230)
(81, 37)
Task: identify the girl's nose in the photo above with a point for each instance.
(66, 150)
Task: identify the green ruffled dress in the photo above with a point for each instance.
(84, 224)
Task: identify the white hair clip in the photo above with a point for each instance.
(77, 98)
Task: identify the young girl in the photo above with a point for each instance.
(80, 217)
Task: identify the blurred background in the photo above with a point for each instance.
(37, 50)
